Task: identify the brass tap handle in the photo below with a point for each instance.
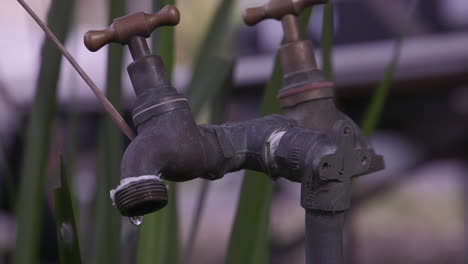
(138, 24)
(276, 9)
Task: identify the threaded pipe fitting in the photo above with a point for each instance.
(138, 196)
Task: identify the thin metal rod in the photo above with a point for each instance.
(114, 114)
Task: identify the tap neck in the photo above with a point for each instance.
(138, 47)
(155, 94)
(290, 28)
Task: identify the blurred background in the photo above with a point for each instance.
(415, 211)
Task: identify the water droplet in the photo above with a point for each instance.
(66, 233)
(136, 220)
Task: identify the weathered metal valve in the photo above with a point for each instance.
(139, 195)
(297, 55)
(125, 28)
(307, 97)
(313, 143)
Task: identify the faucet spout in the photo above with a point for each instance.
(172, 147)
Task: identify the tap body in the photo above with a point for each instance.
(171, 144)
(308, 98)
(313, 143)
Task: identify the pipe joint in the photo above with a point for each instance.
(173, 146)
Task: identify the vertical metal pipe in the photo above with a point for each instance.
(324, 237)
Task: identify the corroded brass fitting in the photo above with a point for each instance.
(170, 144)
(123, 29)
(302, 80)
(144, 193)
(307, 98)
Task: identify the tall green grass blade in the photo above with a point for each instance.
(31, 197)
(7, 180)
(217, 116)
(107, 224)
(159, 233)
(72, 139)
(71, 149)
(221, 98)
(249, 236)
(195, 223)
(377, 103)
(327, 41)
(159, 236)
(212, 55)
(163, 39)
(67, 233)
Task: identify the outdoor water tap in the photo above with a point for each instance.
(307, 97)
(155, 96)
(313, 143)
(169, 142)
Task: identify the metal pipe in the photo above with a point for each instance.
(308, 98)
(324, 241)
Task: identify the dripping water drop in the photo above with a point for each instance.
(136, 220)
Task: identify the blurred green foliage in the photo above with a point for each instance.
(38, 138)
(67, 232)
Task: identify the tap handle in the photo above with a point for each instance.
(126, 27)
(276, 9)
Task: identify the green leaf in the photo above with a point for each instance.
(36, 153)
(159, 233)
(163, 39)
(72, 137)
(107, 224)
(218, 112)
(67, 233)
(249, 236)
(214, 56)
(8, 180)
(377, 103)
(158, 242)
